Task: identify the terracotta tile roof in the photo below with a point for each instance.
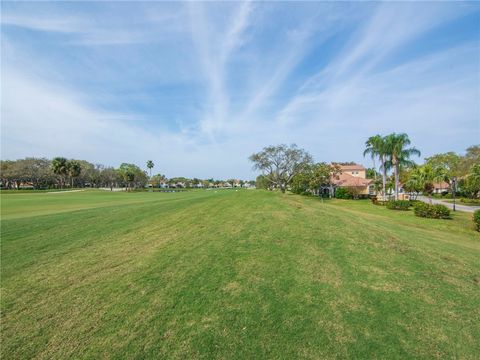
(350, 181)
(351, 167)
(441, 185)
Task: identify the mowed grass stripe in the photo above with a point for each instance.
(239, 275)
(35, 204)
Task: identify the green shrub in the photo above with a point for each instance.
(343, 193)
(476, 219)
(398, 205)
(441, 212)
(470, 201)
(431, 211)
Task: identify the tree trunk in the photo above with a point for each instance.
(282, 188)
(396, 180)
(384, 177)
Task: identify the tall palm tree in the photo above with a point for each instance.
(60, 168)
(399, 154)
(73, 169)
(376, 147)
(372, 149)
(150, 166)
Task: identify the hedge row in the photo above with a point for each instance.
(431, 211)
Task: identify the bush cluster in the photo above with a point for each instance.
(398, 205)
(470, 201)
(431, 211)
(343, 193)
(476, 219)
(375, 201)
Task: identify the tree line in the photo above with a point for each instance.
(393, 153)
(60, 172)
(285, 167)
(461, 172)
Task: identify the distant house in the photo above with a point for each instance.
(441, 187)
(25, 185)
(353, 177)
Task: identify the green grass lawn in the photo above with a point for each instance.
(468, 202)
(233, 274)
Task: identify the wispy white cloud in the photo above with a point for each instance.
(63, 24)
(89, 31)
(297, 46)
(214, 48)
(316, 28)
(58, 122)
(319, 74)
(437, 108)
(391, 26)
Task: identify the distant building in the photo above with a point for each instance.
(353, 177)
(441, 187)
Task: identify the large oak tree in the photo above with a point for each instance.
(280, 163)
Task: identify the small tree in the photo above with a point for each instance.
(413, 183)
(127, 172)
(158, 180)
(422, 179)
(450, 162)
(110, 177)
(262, 182)
(322, 175)
(279, 164)
(472, 182)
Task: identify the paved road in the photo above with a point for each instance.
(458, 206)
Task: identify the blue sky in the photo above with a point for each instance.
(198, 87)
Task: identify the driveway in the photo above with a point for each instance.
(458, 206)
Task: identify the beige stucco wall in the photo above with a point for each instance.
(361, 173)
